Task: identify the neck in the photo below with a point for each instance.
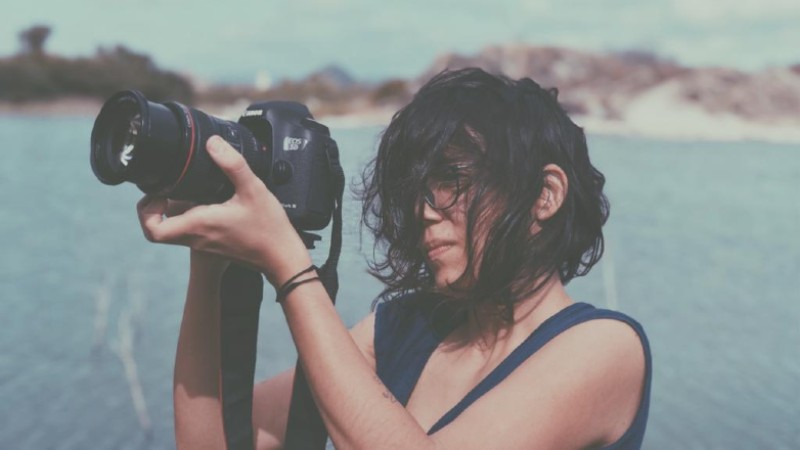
(486, 330)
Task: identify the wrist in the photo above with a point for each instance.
(307, 275)
(288, 269)
(278, 267)
(207, 263)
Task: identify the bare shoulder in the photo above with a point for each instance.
(611, 348)
(609, 340)
(603, 361)
(581, 389)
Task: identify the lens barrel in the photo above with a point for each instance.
(161, 148)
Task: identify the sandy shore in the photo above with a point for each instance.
(659, 113)
(655, 114)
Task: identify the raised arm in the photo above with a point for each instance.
(272, 397)
(198, 410)
(198, 413)
(196, 379)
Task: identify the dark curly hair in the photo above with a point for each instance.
(510, 130)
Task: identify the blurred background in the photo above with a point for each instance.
(692, 111)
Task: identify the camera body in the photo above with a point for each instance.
(161, 148)
(303, 155)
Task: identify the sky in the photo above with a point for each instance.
(233, 40)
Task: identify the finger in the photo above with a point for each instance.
(182, 229)
(143, 202)
(158, 229)
(232, 163)
(177, 207)
(151, 211)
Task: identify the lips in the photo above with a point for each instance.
(438, 248)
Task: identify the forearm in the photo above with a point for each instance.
(198, 419)
(358, 410)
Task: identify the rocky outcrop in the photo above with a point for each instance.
(605, 85)
(592, 84)
(772, 94)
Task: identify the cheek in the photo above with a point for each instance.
(479, 237)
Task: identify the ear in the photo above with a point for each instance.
(553, 193)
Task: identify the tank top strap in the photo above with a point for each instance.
(566, 318)
(404, 340)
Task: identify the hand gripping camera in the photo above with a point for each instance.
(161, 147)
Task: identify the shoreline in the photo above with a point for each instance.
(66, 107)
(653, 118)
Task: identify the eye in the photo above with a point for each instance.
(449, 173)
(449, 176)
(443, 186)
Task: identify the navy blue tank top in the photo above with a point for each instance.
(405, 338)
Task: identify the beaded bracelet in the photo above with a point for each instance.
(290, 285)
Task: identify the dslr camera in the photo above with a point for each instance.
(161, 147)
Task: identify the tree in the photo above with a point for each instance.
(34, 38)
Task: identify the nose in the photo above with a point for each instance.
(429, 214)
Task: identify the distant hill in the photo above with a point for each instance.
(632, 92)
(605, 85)
(333, 76)
(37, 76)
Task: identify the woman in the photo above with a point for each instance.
(484, 199)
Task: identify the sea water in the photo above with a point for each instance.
(702, 249)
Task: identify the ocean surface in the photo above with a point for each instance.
(703, 249)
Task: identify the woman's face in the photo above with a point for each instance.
(444, 216)
(444, 243)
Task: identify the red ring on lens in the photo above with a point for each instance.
(191, 145)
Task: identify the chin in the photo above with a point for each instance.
(446, 276)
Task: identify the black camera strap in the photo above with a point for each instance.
(305, 429)
(240, 300)
(240, 296)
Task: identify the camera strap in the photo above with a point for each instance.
(305, 429)
(241, 293)
(240, 301)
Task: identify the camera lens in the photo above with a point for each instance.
(125, 139)
(135, 140)
(161, 148)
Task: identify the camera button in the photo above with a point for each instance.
(282, 172)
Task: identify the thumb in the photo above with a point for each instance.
(232, 163)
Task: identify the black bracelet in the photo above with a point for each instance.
(284, 292)
(291, 284)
